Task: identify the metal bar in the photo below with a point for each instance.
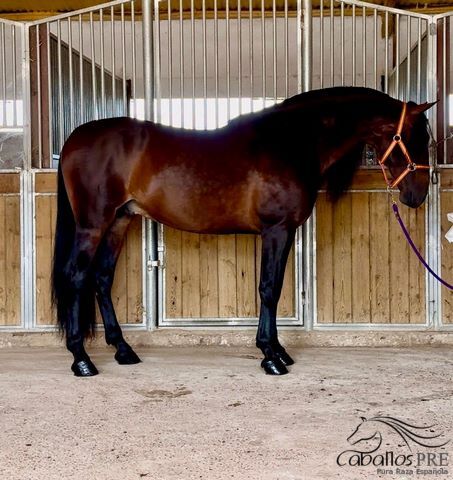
(274, 48)
(228, 58)
(170, 61)
(158, 65)
(286, 44)
(71, 76)
(408, 59)
(397, 54)
(93, 70)
(101, 30)
(82, 11)
(419, 59)
(123, 60)
(3, 60)
(192, 35)
(342, 42)
(13, 66)
(263, 50)
(250, 51)
(444, 88)
(205, 67)
(49, 94)
(216, 63)
(375, 49)
(81, 89)
(364, 46)
(60, 89)
(181, 59)
(113, 55)
(307, 44)
(134, 59)
(148, 60)
(239, 31)
(386, 42)
(38, 85)
(384, 9)
(332, 44)
(321, 43)
(354, 50)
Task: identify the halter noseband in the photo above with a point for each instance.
(397, 140)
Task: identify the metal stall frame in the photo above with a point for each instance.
(153, 248)
(27, 186)
(433, 304)
(303, 251)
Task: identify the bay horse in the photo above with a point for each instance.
(259, 174)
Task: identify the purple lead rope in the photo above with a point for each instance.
(414, 248)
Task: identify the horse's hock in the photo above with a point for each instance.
(350, 269)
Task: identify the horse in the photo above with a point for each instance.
(259, 174)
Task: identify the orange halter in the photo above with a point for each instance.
(397, 140)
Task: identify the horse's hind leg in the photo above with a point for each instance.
(104, 270)
(79, 299)
(277, 241)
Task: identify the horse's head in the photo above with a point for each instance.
(366, 430)
(403, 149)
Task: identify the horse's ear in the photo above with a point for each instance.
(363, 419)
(422, 107)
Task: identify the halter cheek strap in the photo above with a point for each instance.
(397, 140)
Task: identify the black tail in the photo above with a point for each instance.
(62, 288)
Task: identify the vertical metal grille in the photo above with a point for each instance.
(218, 63)
(11, 98)
(83, 72)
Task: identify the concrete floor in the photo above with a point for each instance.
(210, 413)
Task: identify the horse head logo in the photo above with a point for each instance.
(373, 429)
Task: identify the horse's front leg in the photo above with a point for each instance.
(277, 241)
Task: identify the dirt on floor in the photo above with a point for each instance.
(210, 413)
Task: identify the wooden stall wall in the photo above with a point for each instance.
(366, 272)
(10, 274)
(209, 276)
(127, 288)
(446, 206)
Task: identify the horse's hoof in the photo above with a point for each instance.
(84, 368)
(127, 357)
(273, 367)
(284, 358)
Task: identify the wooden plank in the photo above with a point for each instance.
(209, 280)
(398, 290)
(190, 275)
(246, 281)
(227, 276)
(360, 210)
(46, 182)
(173, 272)
(446, 199)
(367, 179)
(324, 259)
(120, 287)
(416, 294)
(9, 183)
(133, 248)
(44, 227)
(379, 258)
(3, 265)
(446, 178)
(12, 260)
(342, 266)
(286, 305)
